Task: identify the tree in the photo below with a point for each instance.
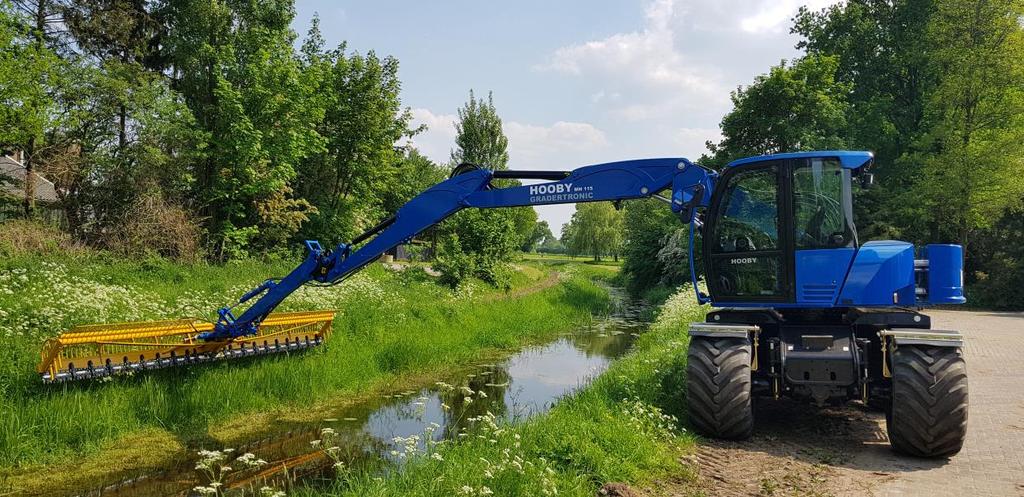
(551, 245)
(235, 66)
(483, 239)
(795, 107)
(973, 153)
(596, 229)
(352, 181)
(415, 173)
(541, 234)
(123, 36)
(479, 138)
(647, 224)
(883, 54)
(32, 73)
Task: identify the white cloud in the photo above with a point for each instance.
(691, 141)
(437, 140)
(684, 60)
(529, 145)
(548, 147)
(773, 17)
(643, 65)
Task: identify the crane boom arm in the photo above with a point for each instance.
(690, 184)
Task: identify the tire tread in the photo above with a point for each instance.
(718, 383)
(928, 415)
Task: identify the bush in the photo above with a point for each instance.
(649, 226)
(452, 262)
(155, 226)
(478, 242)
(24, 236)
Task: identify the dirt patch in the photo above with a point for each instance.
(544, 284)
(797, 450)
(618, 490)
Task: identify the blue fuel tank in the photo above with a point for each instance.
(945, 273)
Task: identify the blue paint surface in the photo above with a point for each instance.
(880, 270)
(820, 274)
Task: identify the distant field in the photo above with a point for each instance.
(584, 259)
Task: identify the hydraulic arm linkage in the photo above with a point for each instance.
(469, 186)
(94, 351)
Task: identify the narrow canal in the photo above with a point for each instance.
(373, 434)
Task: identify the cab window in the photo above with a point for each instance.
(746, 254)
(749, 215)
(820, 218)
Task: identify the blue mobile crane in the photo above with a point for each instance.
(802, 308)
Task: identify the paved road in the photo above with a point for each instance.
(992, 462)
(799, 450)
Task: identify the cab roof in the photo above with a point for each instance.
(849, 159)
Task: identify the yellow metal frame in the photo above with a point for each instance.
(143, 341)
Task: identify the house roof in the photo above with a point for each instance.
(12, 181)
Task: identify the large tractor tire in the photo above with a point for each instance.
(928, 416)
(718, 387)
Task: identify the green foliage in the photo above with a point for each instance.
(359, 177)
(478, 242)
(551, 245)
(623, 427)
(239, 77)
(27, 68)
(479, 138)
(454, 264)
(484, 239)
(390, 326)
(211, 108)
(596, 229)
(999, 266)
(883, 56)
(416, 173)
(883, 53)
(540, 235)
(795, 107)
(972, 155)
(649, 225)
(29, 71)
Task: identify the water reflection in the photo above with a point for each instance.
(525, 384)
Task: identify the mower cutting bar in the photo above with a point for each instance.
(96, 351)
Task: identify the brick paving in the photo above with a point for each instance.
(992, 461)
(800, 450)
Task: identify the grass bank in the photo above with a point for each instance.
(391, 325)
(622, 428)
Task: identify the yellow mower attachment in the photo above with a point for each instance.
(98, 350)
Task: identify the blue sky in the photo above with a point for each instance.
(575, 82)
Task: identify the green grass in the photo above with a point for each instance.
(621, 428)
(390, 326)
(584, 259)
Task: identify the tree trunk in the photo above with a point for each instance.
(122, 134)
(30, 180)
(963, 239)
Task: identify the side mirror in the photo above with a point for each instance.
(867, 180)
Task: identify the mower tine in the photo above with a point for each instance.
(106, 349)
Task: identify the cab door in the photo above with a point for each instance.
(745, 244)
(824, 238)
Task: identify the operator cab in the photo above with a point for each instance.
(780, 228)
